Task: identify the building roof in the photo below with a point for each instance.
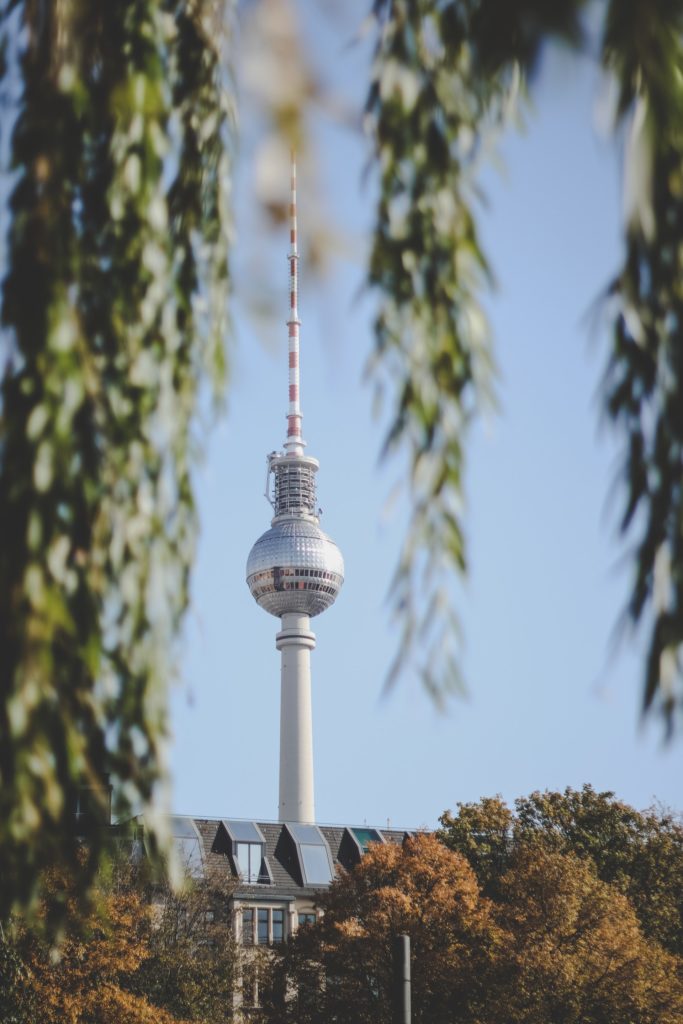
(287, 870)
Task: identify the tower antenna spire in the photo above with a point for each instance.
(295, 443)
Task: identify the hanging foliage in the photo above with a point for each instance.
(445, 76)
(114, 305)
(114, 310)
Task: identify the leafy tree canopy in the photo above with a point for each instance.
(639, 853)
(145, 954)
(556, 944)
(89, 977)
(341, 967)
(574, 950)
(194, 962)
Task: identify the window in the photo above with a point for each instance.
(278, 925)
(248, 848)
(187, 843)
(263, 926)
(316, 864)
(248, 926)
(269, 923)
(365, 836)
(315, 859)
(307, 917)
(249, 857)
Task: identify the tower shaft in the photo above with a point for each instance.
(295, 642)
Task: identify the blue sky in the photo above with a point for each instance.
(549, 702)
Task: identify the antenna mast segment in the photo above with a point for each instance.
(295, 443)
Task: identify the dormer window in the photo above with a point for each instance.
(188, 845)
(248, 848)
(315, 860)
(355, 844)
(364, 836)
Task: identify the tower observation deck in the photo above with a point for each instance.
(294, 571)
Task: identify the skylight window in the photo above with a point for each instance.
(314, 855)
(244, 831)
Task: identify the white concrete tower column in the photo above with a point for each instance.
(295, 641)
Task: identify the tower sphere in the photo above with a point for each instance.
(295, 567)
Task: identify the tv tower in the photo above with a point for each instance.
(294, 571)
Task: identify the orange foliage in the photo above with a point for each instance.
(88, 977)
(556, 944)
(574, 949)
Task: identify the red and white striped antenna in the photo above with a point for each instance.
(295, 443)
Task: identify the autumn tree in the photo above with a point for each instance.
(146, 952)
(17, 999)
(573, 950)
(638, 852)
(88, 976)
(193, 963)
(341, 968)
(556, 944)
(483, 833)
